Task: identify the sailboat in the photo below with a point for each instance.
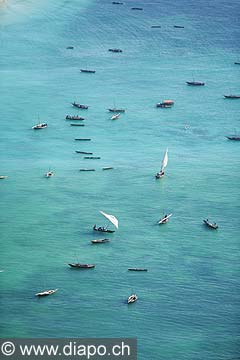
(111, 218)
(164, 164)
(195, 83)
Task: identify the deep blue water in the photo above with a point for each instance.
(188, 304)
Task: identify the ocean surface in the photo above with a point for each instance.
(188, 305)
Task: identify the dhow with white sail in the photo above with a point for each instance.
(111, 218)
(161, 173)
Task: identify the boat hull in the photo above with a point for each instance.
(100, 229)
(137, 269)
(210, 225)
(82, 266)
(100, 241)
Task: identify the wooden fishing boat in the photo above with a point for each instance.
(161, 173)
(178, 26)
(137, 269)
(83, 152)
(116, 110)
(92, 157)
(132, 298)
(113, 220)
(210, 225)
(80, 106)
(195, 83)
(88, 71)
(87, 170)
(46, 292)
(74, 117)
(103, 229)
(165, 104)
(136, 8)
(232, 96)
(99, 241)
(82, 266)
(233, 137)
(115, 50)
(83, 139)
(107, 168)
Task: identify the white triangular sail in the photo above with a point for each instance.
(165, 160)
(111, 218)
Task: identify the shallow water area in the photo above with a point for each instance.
(188, 306)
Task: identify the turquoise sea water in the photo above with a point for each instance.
(188, 304)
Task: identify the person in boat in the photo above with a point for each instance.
(160, 174)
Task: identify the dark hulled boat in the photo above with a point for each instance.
(115, 50)
(87, 71)
(83, 139)
(233, 137)
(92, 157)
(77, 124)
(211, 225)
(107, 168)
(195, 83)
(83, 152)
(232, 96)
(80, 106)
(87, 170)
(82, 266)
(137, 269)
(74, 117)
(103, 229)
(116, 110)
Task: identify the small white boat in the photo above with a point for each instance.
(49, 174)
(161, 173)
(164, 219)
(132, 298)
(39, 126)
(3, 177)
(115, 117)
(47, 292)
